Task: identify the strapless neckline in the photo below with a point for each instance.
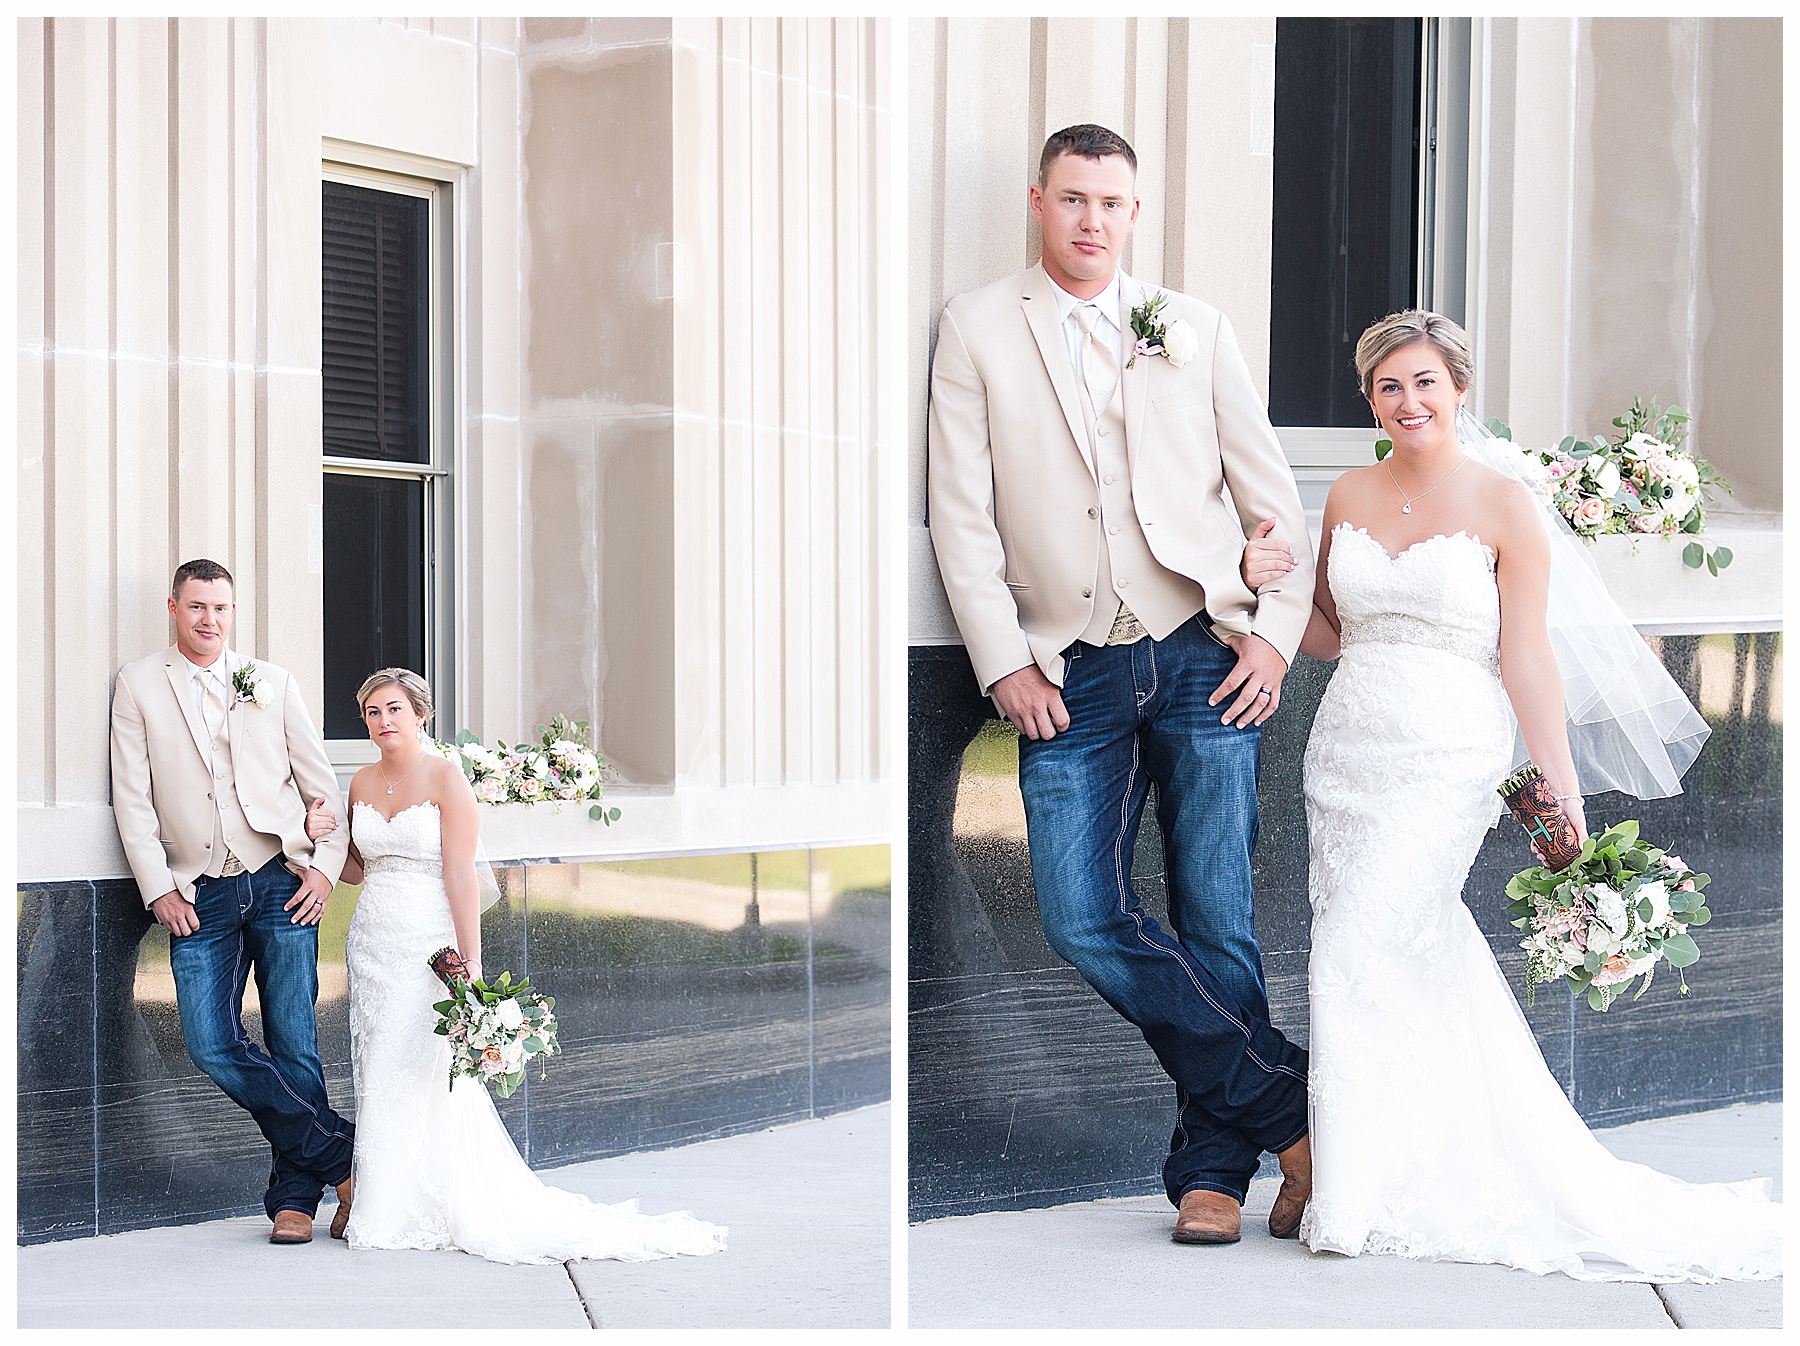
(422, 804)
(1356, 529)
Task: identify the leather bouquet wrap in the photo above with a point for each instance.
(1529, 797)
(449, 966)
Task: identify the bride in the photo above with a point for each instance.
(434, 1165)
(1438, 1132)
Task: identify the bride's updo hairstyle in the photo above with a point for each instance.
(1405, 328)
(417, 690)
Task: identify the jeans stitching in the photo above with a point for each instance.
(1137, 917)
(241, 1038)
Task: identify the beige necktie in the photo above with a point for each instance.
(212, 704)
(1099, 367)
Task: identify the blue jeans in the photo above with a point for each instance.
(1138, 713)
(243, 927)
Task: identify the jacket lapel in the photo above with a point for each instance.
(233, 662)
(1039, 302)
(177, 669)
(1134, 379)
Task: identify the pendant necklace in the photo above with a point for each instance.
(1407, 507)
(415, 766)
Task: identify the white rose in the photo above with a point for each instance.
(262, 693)
(1658, 897)
(1180, 342)
(510, 1013)
(1604, 474)
(539, 766)
(1601, 940)
(1610, 907)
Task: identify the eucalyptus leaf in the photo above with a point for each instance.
(1693, 555)
(1681, 951)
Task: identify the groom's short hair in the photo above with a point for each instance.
(1088, 141)
(203, 570)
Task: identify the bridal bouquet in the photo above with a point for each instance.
(559, 768)
(1608, 918)
(495, 1028)
(1642, 482)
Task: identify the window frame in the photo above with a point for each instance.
(436, 183)
(1446, 229)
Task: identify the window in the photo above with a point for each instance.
(1345, 209)
(1370, 214)
(386, 499)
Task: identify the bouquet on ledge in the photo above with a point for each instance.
(495, 1028)
(1643, 481)
(560, 768)
(1609, 917)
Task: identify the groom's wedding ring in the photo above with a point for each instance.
(1262, 691)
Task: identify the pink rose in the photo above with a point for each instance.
(1590, 513)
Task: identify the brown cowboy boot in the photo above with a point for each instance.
(291, 1226)
(341, 1220)
(1207, 1217)
(1296, 1187)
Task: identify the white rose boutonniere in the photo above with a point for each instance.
(1181, 342)
(248, 687)
(1176, 341)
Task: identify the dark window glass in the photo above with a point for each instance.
(376, 336)
(1344, 232)
(374, 588)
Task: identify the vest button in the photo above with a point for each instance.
(1114, 530)
(1087, 593)
(1093, 513)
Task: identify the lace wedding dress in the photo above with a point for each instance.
(1437, 1130)
(435, 1167)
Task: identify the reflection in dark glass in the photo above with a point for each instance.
(1026, 1090)
(699, 996)
(376, 324)
(374, 588)
(1343, 230)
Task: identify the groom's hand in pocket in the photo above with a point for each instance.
(175, 914)
(1032, 703)
(1256, 678)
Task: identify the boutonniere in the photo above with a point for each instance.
(1174, 340)
(251, 688)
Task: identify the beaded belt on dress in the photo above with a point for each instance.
(1397, 628)
(402, 864)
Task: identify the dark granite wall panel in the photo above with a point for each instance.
(852, 965)
(1026, 1090)
(698, 997)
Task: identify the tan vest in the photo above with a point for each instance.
(232, 832)
(1127, 572)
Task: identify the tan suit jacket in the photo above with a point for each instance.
(162, 777)
(1013, 498)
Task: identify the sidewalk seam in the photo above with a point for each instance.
(581, 1299)
(1668, 1308)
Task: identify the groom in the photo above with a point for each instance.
(1092, 565)
(213, 760)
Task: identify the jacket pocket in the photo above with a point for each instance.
(1182, 397)
(1017, 585)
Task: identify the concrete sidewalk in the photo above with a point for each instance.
(1111, 1263)
(807, 1205)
